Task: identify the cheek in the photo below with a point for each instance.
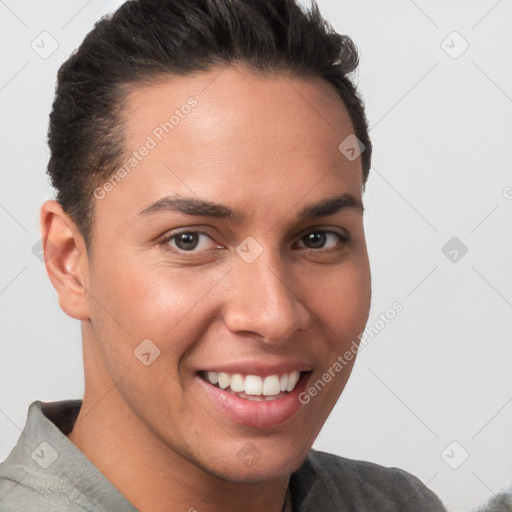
(343, 299)
(156, 302)
(347, 305)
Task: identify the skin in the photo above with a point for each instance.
(266, 146)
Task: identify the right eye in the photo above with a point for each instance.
(188, 241)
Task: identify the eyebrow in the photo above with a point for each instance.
(202, 208)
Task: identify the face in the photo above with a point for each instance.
(231, 252)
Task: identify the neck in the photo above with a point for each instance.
(151, 475)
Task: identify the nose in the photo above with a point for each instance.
(262, 300)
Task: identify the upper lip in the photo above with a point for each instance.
(258, 367)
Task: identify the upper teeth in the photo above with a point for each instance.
(254, 384)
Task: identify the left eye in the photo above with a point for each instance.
(318, 239)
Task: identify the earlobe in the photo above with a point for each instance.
(66, 259)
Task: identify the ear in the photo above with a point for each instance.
(66, 259)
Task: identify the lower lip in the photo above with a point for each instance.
(257, 414)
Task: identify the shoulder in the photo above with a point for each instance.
(33, 477)
(336, 483)
(22, 489)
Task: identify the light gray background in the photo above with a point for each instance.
(442, 132)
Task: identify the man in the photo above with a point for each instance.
(209, 159)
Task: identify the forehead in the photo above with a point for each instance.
(234, 101)
(236, 135)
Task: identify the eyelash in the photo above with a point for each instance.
(343, 241)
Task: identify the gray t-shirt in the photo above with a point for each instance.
(46, 472)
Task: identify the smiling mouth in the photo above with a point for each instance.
(255, 387)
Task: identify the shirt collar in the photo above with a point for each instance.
(63, 415)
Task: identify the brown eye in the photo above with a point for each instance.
(318, 239)
(189, 241)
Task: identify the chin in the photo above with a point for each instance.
(251, 466)
(260, 473)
